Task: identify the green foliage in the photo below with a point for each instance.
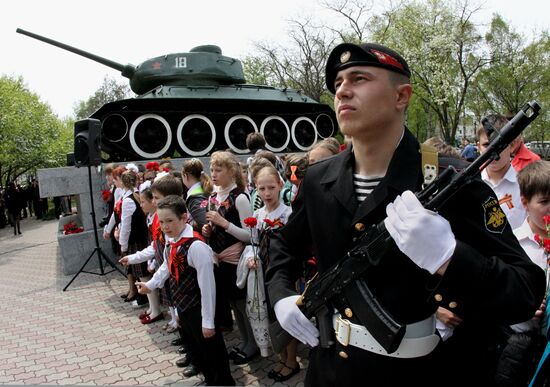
(31, 136)
(444, 51)
(109, 91)
(518, 73)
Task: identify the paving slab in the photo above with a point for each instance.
(87, 335)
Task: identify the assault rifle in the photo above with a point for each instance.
(344, 277)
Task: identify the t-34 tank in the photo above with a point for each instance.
(198, 102)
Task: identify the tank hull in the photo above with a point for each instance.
(193, 121)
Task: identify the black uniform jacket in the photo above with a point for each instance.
(489, 273)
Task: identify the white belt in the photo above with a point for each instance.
(348, 333)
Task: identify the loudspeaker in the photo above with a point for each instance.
(87, 137)
(70, 159)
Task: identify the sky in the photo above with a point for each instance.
(132, 31)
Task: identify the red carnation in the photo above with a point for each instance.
(152, 166)
(269, 223)
(546, 245)
(105, 195)
(251, 222)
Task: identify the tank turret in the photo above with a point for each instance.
(197, 102)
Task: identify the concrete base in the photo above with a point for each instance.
(76, 248)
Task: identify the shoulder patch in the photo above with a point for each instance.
(494, 217)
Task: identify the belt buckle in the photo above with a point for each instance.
(345, 323)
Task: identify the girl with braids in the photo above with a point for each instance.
(199, 187)
(229, 206)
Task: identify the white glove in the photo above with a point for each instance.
(294, 322)
(422, 235)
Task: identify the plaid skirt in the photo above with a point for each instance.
(140, 269)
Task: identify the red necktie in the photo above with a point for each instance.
(175, 260)
(155, 229)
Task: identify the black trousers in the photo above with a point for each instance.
(340, 366)
(211, 355)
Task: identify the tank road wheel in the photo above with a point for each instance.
(304, 134)
(114, 128)
(236, 130)
(150, 136)
(324, 125)
(199, 135)
(276, 133)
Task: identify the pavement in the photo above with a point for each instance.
(87, 335)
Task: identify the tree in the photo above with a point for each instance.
(518, 73)
(31, 136)
(444, 50)
(300, 64)
(109, 91)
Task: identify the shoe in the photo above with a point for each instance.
(171, 329)
(123, 296)
(232, 355)
(130, 299)
(184, 361)
(190, 370)
(140, 303)
(177, 341)
(271, 374)
(149, 320)
(183, 349)
(165, 326)
(241, 358)
(143, 315)
(279, 377)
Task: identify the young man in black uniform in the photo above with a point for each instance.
(460, 258)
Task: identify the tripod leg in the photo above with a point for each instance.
(80, 270)
(108, 260)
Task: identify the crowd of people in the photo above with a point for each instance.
(20, 202)
(192, 252)
(196, 245)
(458, 297)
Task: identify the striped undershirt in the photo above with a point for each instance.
(364, 185)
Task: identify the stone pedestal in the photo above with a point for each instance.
(76, 248)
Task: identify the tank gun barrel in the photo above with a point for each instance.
(126, 70)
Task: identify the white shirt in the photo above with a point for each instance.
(109, 226)
(526, 238)
(128, 209)
(125, 227)
(508, 195)
(201, 257)
(282, 212)
(147, 253)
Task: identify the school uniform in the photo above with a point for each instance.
(226, 272)
(195, 199)
(189, 264)
(489, 276)
(133, 230)
(154, 252)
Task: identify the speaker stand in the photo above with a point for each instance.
(97, 249)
